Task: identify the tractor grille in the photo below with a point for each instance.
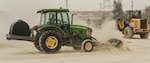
(143, 24)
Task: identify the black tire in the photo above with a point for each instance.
(119, 27)
(144, 36)
(50, 42)
(128, 32)
(117, 23)
(122, 31)
(36, 43)
(87, 45)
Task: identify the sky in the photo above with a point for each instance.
(12, 10)
(88, 5)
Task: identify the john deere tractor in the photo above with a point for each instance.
(53, 32)
(133, 24)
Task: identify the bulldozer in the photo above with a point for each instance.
(132, 24)
(54, 31)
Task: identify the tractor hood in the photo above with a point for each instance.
(82, 31)
(79, 27)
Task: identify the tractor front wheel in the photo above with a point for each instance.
(128, 33)
(50, 42)
(87, 45)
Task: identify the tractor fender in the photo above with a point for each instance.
(55, 28)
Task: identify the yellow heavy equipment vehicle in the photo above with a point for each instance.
(132, 24)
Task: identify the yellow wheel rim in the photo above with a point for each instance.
(88, 46)
(51, 42)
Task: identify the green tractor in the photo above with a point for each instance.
(54, 31)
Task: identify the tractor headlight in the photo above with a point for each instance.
(88, 33)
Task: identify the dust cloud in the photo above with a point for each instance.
(107, 32)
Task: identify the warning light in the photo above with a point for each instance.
(40, 26)
(44, 10)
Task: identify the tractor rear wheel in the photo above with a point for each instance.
(50, 42)
(36, 43)
(128, 33)
(144, 36)
(87, 45)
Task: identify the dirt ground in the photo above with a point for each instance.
(24, 52)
